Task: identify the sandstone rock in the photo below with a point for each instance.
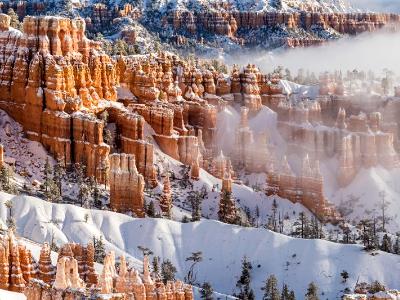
(46, 269)
(126, 185)
(166, 197)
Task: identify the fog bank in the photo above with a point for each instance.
(368, 51)
(377, 5)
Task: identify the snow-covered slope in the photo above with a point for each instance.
(363, 197)
(7, 295)
(29, 156)
(294, 261)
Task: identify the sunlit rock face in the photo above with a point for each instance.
(126, 184)
(49, 73)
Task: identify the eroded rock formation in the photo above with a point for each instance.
(228, 23)
(126, 185)
(74, 277)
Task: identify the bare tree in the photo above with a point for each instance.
(195, 258)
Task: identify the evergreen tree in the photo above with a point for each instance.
(396, 247)
(84, 194)
(292, 296)
(79, 170)
(227, 211)
(345, 275)
(376, 287)
(50, 188)
(195, 201)
(302, 224)
(107, 137)
(151, 211)
(312, 292)
(6, 183)
(10, 221)
(99, 249)
(95, 192)
(278, 4)
(47, 175)
(206, 291)
(14, 21)
(156, 266)
(168, 271)
(120, 47)
(285, 295)
(386, 244)
(54, 192)
(58, 175)
(246, 293)
(3, 178)
(271, 291)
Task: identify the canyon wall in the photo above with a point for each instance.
(234, 24)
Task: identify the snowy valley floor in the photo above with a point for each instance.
(294, 261)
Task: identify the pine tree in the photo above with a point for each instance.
(168, 271)
(156, 266)
(345, 275)
(3, 178)
(14, 21)
(99, 249)
(10, 222)
(95, 191)
(107, 136)
(151, 211)
(246, 293)
(376, 287)
(292, 296)
(79, 170)
(396, 247)
(54, 192)
(120, 47)
(84, 195)
(58, 174)
(302, 228)
(206, 291)
(6, 183)
(312, 292)
(386, 244)
(195, 201)
(285, 293)
(271, 291)
(47, 175)
(227, 211)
